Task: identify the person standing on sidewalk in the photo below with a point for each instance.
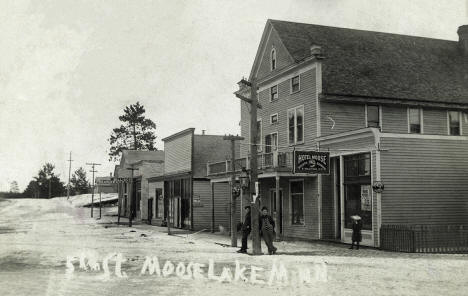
(246, 227)
(357, 226)
(267, 230)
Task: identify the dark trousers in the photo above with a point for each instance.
(357, 244)
(245, 236)
(268, 237)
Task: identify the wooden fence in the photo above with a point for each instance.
(424, 238)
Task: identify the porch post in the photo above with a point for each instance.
(278, 207)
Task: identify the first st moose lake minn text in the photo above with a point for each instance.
(278, 274)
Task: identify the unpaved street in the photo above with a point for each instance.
(37, 236)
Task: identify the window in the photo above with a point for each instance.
(259, 135)
(159, 203)
(296, 125)
(295, 84)
(297, 202)
(273, 93)
(373, 116)
(415, 120)
(358, 192)
(274, 118)
(273, 59)
(271, 142)
(454, 123)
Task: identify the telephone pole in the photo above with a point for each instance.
(130, 216)
(69, 172)
(253, 101)
(233, 140)
(92, 164)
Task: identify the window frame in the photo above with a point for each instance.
(421, 120)
(271, 94)
(291, 91)
(379, 108)
(291, 215)
(271, 118)
(296, 142)
(459, 123)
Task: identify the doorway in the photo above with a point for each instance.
(150, 210)
(279, 224)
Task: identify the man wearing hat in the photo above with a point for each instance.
(357, 226)
(246, 227)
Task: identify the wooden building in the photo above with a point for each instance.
(145, 164)
(390, 109)
(188, 202)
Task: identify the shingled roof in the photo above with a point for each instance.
(381, 65)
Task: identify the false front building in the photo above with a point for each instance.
(391, 111)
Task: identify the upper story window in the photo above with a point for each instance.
(271, 142)
(454, 123)
(273, 59)
(273, 93)
(373, 115)
(295, 84)
(274, 118)
(296, 125)
(415, 119)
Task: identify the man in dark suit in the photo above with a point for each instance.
(246, 227)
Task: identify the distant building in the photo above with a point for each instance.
(144, 165)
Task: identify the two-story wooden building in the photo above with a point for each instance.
(390, 109)
(188, 202)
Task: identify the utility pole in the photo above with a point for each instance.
(92, 164)
(100, 204)
(69, 172)
(130, 216)
(233, 140)
(257, 247)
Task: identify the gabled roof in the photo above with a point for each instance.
(382, 65)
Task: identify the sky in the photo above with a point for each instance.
(68, 68)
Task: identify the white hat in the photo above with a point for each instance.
(355, 217)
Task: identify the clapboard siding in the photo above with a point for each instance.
(202, 211)
(283, 58)
(305, 97)
(394, 119)
(340, 117)
(178, 154)
(425, 181)
(435, 121)
(365, 143)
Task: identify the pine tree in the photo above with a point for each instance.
(136, 132)
(79, 183)
(46, 178)
(14, 187)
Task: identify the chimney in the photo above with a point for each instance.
(463, 39)
(316, 51)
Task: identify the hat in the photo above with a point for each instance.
(355, 217)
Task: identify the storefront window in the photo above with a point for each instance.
(358, 192)
(297, 202)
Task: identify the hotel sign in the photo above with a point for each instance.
(312, 162)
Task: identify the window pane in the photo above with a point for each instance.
(364, 165)
(274, 118)
(297, 187)
(295, 84)
(291, 126)
(373, 116)
(274, 92)
(454, 118)
(297, 210)
(267, 143)
(300, 124)
(415, 120)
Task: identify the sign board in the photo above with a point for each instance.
(312, 162)
(366, 203)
